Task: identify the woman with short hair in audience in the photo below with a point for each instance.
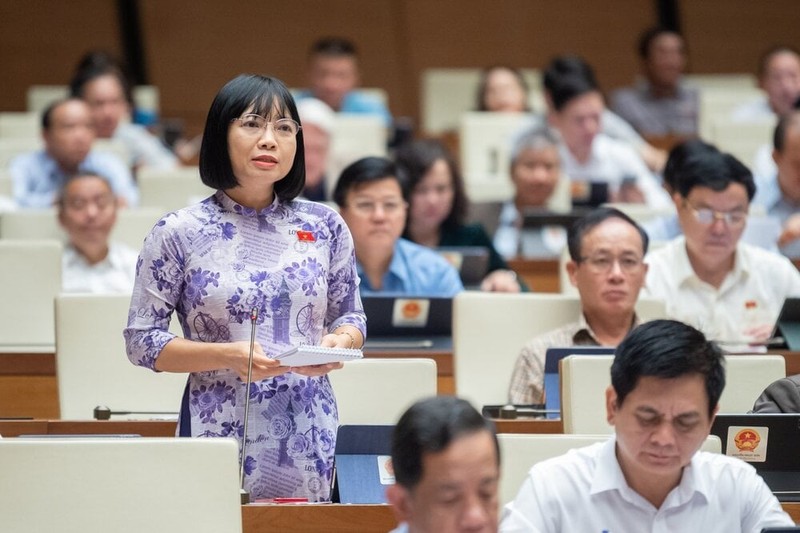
(252, 261)
(438, 209)
(535, 172)
(503, 90)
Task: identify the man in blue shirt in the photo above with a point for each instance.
(372, 199)
(780, 196)
(68, 136)
(333, 77)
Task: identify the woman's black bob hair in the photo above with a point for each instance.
(246, 91)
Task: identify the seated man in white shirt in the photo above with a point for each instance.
(87, 211)
(607, 249)
(728, 289)
(108, 93)
(446, 464)
(666, 381)
(592, 160)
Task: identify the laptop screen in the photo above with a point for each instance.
(768, 442)
(472, 262)
(404, 316)
(363, 466)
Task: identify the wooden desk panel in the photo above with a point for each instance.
(541, 275)
(322, 518)
(335, 518)
(145, 428)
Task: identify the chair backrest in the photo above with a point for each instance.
(746, 377)
(490, 329)
(377, 391)
(742, 139)
(121, 485)
(722, 81)
(11, 147)
(353, 137)
(519, 452)
(41, 96)
(485, 146)
(132, 226)
(171, 189)
(31, 274)
(449, 92)
(20, 125)
(6, 185)
(719, 102)
(584, 380)
(92, 367)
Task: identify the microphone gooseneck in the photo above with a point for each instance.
(243, 455)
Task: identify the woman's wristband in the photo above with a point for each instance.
(352, 338)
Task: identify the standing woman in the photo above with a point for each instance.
(252, 246)
(438, 209)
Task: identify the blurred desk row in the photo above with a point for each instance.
(28, 386)
(334, 518)
(166, 428)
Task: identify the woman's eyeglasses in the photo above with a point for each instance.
(254, 125)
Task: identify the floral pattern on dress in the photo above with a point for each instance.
(214, 262)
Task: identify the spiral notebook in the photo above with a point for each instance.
(305, 355)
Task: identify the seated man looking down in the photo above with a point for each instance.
(446, 463)
(373, 200)
(91, 263)
(728, 289)
(666, 381)
(606, 265)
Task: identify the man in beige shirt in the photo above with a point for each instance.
(606, 265)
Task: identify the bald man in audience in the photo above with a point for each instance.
(87, 210)
(607, 250)
(780, 196)
(68, 134)
(317, 119)
(779, 78)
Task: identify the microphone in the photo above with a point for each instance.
(245, 496)
(101, 412)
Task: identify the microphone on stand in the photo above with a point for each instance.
(101, 412)
(245, 496)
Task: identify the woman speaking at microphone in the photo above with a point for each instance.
(253, 249)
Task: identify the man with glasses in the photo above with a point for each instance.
(372, 199)
(606, 249)
(87, 210)
(728, 289)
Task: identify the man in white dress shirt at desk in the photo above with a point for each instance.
(666, 381)
(87, 210)
(728, 289)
